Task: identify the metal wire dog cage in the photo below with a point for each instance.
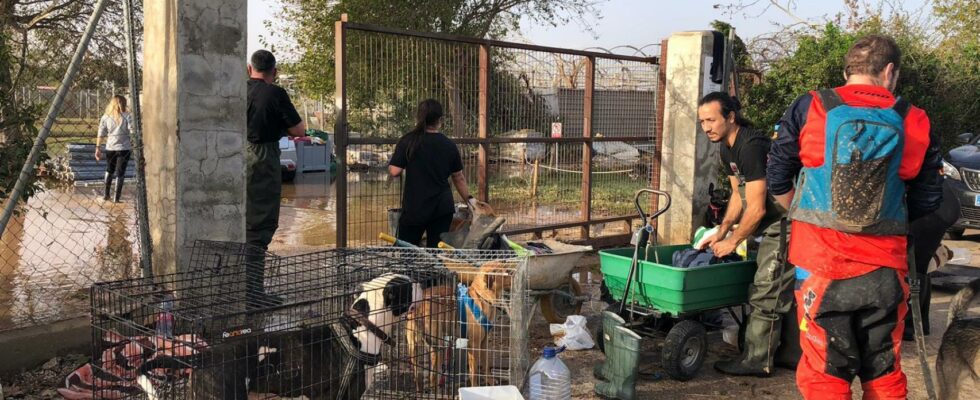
(373, 323)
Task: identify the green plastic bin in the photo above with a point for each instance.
(676, 290)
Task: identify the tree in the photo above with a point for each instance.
(942, 76)
(42, 35)
(17, 129)
(311, 24)
(393, 73)
(37, 40)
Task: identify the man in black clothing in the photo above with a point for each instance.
(743, 155)
(271, 116)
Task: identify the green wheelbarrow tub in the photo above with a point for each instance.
(673, 290)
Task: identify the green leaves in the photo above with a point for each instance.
(943, 80)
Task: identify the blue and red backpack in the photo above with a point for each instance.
(857, 189)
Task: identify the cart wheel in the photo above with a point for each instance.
(684, 350)
(555, 307)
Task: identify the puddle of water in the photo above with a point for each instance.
(66, 239)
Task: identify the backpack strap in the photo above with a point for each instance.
(830, 99)
(901, 106)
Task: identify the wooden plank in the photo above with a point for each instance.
(587, 108)
(340, 127)
(482, 181)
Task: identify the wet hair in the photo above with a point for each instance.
(428, 114)
(728, 104)
(263, 61)
(871, 54)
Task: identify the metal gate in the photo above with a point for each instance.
(556, 140)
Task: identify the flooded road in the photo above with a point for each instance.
(67, 238)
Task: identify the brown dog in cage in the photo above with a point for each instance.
(436, 319)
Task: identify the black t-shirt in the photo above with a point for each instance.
(427, 194)
(747, 158)
(270, 112)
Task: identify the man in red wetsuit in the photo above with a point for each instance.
(851, 284)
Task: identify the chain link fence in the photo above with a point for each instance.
(66, 237)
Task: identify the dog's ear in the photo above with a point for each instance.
(398, 295)
(711, 188)
(361, 306)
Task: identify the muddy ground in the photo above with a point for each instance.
(40, 382)
(709, 384)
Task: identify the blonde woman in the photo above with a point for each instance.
(114, 127)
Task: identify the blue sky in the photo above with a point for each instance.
(631, 22)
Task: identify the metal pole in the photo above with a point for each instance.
(27, 172)
(340, 128)
(142, 212)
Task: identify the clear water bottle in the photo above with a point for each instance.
(550, 379)
(165, 318)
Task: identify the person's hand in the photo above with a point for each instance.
(724, 247)
(717, 237)
(98, 154)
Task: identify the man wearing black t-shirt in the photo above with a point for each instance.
(271, 116)
(743, 155)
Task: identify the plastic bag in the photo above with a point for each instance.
(573, 334)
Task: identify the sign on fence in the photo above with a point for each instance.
(556, 130)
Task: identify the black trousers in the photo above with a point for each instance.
(433, 229)
(116, 162)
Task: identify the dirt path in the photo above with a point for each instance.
(709, 384)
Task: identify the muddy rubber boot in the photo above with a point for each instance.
(623, 360)
(761, 343)
(118, 194)
(609, 323)
(108, 186)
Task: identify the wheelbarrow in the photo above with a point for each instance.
(655, 298)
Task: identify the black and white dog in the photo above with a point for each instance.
(335, 359)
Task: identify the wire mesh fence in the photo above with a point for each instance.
(375, 323)
(67, 236)
(525, 119)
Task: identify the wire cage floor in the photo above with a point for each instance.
(372, 323)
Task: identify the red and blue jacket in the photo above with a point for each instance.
(799, 142)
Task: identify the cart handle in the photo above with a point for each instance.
(639, 209)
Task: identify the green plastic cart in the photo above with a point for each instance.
(655, 297)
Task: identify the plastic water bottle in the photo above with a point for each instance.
(165, 319)
(550, 379)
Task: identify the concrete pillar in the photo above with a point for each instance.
(690, 160)
(194, 89)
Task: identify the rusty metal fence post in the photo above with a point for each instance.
(502, 98)
(340, 128)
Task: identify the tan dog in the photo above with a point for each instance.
(436, 318)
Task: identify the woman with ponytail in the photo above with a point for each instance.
(429, 160)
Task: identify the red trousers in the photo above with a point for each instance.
(851, 328)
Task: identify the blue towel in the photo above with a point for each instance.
(695, 258)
